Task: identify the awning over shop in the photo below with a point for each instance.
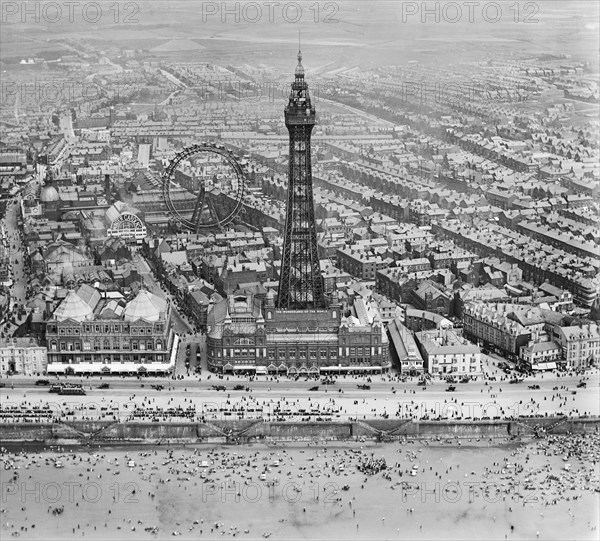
(350, 368)
(544, 366)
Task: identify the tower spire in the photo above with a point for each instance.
(299, 67)
(300, 281)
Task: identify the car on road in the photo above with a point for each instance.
(315, 388)
(42, 382)
(534, 387)
(582, 384)
(451, 388)
(104, 386)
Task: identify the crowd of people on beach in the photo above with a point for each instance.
(522, 472)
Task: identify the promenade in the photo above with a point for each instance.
(211, 398)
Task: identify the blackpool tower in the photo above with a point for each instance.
(301, 282)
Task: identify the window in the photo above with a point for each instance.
(87, 346)
(149, 344)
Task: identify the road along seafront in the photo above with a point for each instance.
(434, 488)
(213, 398)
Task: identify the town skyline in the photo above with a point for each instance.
(273, 243)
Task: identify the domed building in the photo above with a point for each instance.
(90, 333)
(49, 194)
(50, 200)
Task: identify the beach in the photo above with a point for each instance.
(324, 490)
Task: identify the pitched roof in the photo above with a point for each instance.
(145, 306)
(73, 307)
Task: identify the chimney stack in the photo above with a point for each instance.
(107, 189)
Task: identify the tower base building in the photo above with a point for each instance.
(249, 338)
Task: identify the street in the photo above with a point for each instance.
(385, 397)
(14, 245)
(181, 324)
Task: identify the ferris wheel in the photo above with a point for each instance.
(204, 187)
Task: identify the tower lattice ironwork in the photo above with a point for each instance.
(301, 282)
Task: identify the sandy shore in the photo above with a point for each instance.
(508, 491)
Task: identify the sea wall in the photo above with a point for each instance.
(110, 432)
